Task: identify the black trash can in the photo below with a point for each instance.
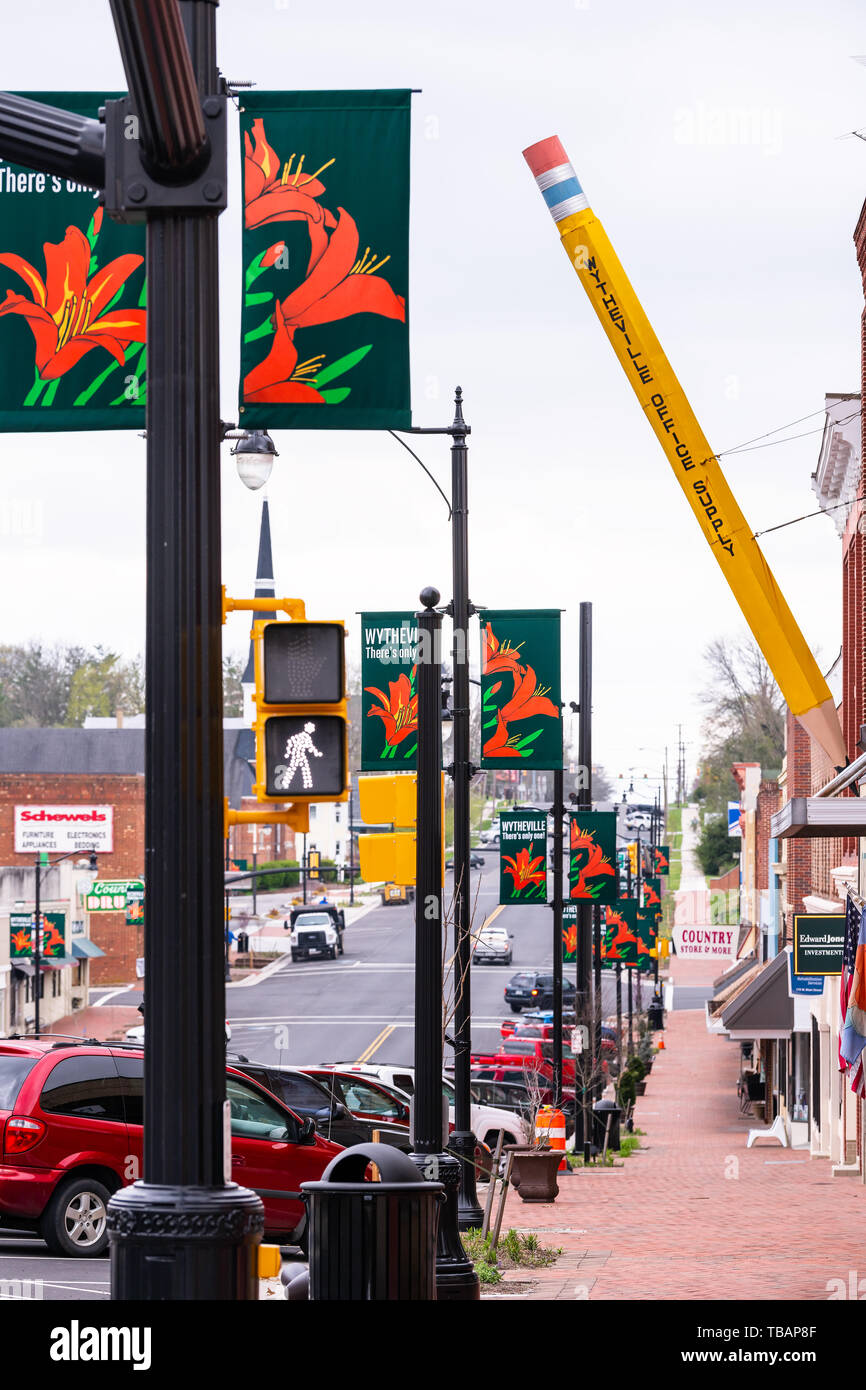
(656, 1014)
(372, 1241)
(600, 1112)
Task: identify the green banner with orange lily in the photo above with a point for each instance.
(72, 301)
(652, 893)
(522, 857)
(389, 721)
(521, 719)
(52, 934)
(570, 913)
(619, 940)
(661, 859)
(646, 931)
(324, 329)
(592, 875)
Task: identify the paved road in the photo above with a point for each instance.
(362, 1005)
(359, 1006)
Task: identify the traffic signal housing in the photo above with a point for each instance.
(632, 856)
(301, 723)
(388, 800)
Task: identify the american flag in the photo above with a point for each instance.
(854, 930)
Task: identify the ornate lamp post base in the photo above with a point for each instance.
(469, 1212)
(193, 1243)
(456, 1280)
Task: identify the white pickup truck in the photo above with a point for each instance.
(314, 934)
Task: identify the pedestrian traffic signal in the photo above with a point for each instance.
(301, 724)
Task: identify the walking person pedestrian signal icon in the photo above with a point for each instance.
(299, 748)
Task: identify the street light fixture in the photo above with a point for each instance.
(254, 454)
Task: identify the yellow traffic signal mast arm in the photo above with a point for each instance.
(294, 607)
(695, 466)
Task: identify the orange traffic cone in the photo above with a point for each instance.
(661, 1044)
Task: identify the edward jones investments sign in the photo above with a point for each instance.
(705, 941)
(57, 829)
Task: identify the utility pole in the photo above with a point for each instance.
(455, 1276)
(596, 948)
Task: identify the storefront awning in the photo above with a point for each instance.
(57, 962)
(763, 1008)
(24, 969)
(728, 987)
(820, 817)
(82, 946)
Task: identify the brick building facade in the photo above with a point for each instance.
(122, 944)
(102, 766)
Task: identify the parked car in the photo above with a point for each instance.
(476, 861)
(526, 1089)
(136, 1034)
(71, 1120)
(314, 934)
(534, 989)
(365, 1097)
(486, 1120)
(492, 946)
(308, 1096)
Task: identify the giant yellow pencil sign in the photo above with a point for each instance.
(665, 404)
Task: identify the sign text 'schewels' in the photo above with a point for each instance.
(57, 829)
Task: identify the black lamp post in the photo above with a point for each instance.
(455, 1276)
(185, 1231)
(462, 1141)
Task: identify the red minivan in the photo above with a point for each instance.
(71, 1135)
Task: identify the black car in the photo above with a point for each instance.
(309, 1098)
(533, 989)
(476, 861)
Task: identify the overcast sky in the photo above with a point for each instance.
(710, 142)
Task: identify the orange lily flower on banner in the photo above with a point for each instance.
(528, 698)
(569, 939)
(596, 865)
(341, 284)
(399, 713)
(498, 745)
(650, 897)
(496, 656)
(21, 942)
(278, 377)
(524, 870)
(273, 193)
(65, 311)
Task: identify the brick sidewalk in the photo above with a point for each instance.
(695, 1214)
(108, 1024)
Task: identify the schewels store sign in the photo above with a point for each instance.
(57, 829)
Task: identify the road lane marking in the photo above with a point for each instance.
(495, 913)
(377, 1042)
